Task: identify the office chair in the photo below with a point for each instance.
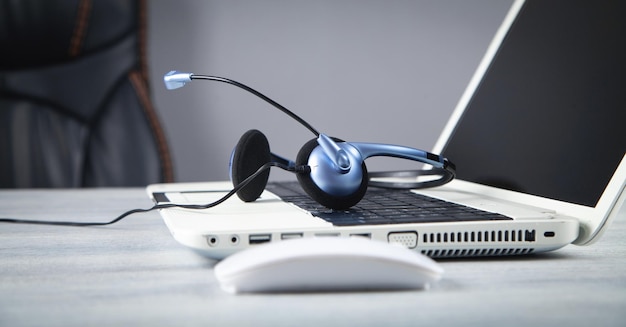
(75, 108)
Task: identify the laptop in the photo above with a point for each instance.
(537, 138)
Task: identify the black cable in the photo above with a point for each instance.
(157, 206)
(260, 95)
(192, 206)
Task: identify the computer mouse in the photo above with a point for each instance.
(322, 264)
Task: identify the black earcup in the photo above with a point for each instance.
(252, 152)
(316, 193)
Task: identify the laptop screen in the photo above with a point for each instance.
(549, 116)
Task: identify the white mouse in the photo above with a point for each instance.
(326, 264)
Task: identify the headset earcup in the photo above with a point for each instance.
(317, 194)
(252, 152)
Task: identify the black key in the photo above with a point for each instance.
(384, 206)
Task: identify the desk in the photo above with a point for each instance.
(134, 273)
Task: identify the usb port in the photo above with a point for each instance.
(327, 234)
(366, 235)
(259, 238)
(289, 236)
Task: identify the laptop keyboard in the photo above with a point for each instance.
(384, 206)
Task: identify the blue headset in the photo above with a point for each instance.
(331, 171)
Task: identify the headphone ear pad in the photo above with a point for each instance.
(316, 193)
(252, 152)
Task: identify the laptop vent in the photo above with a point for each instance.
(450, 253)
(487, 238)
(492, 236)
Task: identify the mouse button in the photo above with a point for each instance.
(245, 260)
(281, 276)
(409, 269)
(416, 259)
(395, 252)
(267, 254)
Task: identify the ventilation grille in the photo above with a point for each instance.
(492, 236)
(475, 252)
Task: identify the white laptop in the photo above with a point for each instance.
(537, 138)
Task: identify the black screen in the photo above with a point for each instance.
(549, 116)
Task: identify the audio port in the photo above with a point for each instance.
(212, 240)
(234, 239)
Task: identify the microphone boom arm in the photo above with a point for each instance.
(176, 79)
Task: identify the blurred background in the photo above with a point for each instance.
(361, 70)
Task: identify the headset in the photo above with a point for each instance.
(331, 171)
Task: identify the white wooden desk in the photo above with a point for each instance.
(134, 273)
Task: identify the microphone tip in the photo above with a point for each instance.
(175, 79)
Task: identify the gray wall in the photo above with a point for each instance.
(375, 71)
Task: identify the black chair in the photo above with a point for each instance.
(75, 108)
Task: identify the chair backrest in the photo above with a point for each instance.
(75, 107)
